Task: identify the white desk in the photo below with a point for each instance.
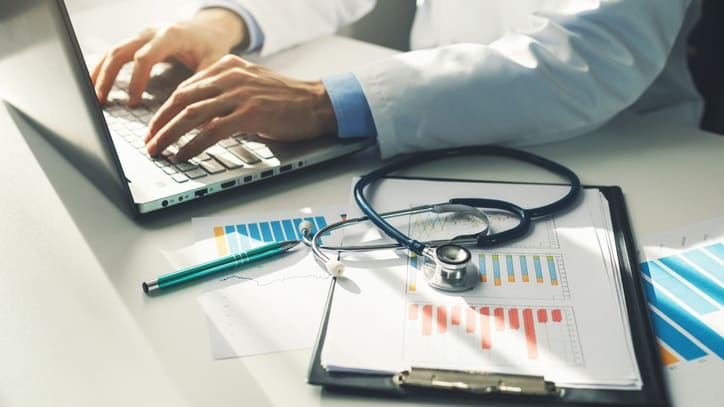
(78, 331)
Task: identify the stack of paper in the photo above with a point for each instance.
(549, 304)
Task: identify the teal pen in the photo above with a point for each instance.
(216, 266)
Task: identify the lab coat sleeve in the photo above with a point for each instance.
(573, 70)
(285, 23)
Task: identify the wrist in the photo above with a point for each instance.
(322, 110)
(234, 29)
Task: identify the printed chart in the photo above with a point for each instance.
(232, 239)
(493, 334)
(686, 298)
(509, 275)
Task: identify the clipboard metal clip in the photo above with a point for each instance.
(477, 382)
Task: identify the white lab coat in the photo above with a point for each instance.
(512, 72)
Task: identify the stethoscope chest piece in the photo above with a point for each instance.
(449, 268)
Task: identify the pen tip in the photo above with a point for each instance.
(145, 287)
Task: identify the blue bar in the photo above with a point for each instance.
(711, 266)
(538, 269)
(524, 268)
(231, 239)
(413, 262)
(692, 275)
(243, 237)
(509, 265)
(297, 222)
(677, 288)
(321, 223)
(688, 322)
(717, 250)
(496, 269)
(266, 232)
(254, 232)
(483, 271)
(289, 231)
(552, 269)
(675, 339)
(277, 230)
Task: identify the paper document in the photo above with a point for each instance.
(549, 304)
(683, 276)
(272, 306)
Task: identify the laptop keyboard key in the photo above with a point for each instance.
(186, 166)
(243, 154)
(212, 166)
(229, 160)
(169, 170)
(179, 178)
(227, 142)
(194, 174)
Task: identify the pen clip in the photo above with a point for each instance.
(477, 382)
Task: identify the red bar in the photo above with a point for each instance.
(455, 315)
(441, 319)
(530, 334)
(485, 328)
(542, 316)
(469, 320)
(513, 318)
(499, 319)
(412, 311)
(556, 315)
(426, 320)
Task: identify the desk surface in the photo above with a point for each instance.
(77, 329)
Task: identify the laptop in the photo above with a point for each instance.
(46, 80)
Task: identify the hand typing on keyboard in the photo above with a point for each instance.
(226, 96)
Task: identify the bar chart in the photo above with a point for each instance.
(493, 334)
(236, 238)
(686, 299)
(510, 275)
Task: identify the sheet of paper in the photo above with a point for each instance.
(683, 274)
(272, 306)
(547, 304)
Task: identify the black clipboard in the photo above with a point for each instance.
(652, 393)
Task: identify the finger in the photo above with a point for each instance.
(217, 129)
(176, 103)
(113, 63)
(153, 52)
(97, 68)
(216, 67)
(191, 117)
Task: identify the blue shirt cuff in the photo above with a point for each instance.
(354, 117)
(256, 35)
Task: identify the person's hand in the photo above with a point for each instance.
(195, 43)
(233, 96)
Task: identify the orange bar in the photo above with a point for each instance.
(667, 357)
(525, 278)
(412, 311)
(485, 328)
(455, 315)
(469, 320)
(441, 319)
(426, 320)
(556, 315)
(497, 281)
(538, 280)
(499, 319)
(220, 238)
(554, 282)
(542, 316)
(513, 318)
(529, 328)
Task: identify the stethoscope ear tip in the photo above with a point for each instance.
(334, 267)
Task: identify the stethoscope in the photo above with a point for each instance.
(447, 264)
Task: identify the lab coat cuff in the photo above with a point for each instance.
(256, 35)
(354, 117)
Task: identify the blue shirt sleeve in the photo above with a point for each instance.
(256, 35)
(354, 117)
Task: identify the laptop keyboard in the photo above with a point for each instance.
(131, 124)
